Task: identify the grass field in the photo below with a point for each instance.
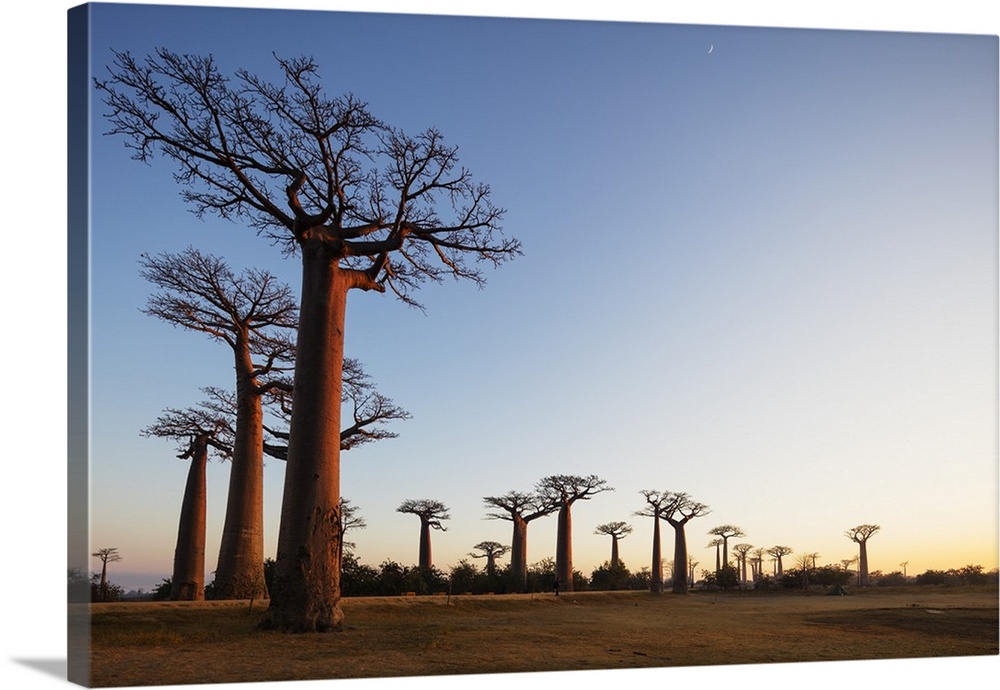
(206, 642)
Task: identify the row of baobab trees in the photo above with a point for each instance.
(558, 493)
(364, 206)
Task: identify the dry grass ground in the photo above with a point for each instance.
(177, 643)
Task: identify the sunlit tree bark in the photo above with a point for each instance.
(655, 503)
(196, 432)
(365, 206)
(254, 315)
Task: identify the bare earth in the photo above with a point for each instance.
(208, 642)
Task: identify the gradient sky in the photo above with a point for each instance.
(764, 274)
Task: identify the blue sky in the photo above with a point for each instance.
(760, 266)
(772, 495)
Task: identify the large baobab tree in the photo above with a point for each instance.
(197, 431)
(520, 508)
(742, 550)
(860, 535)
(106, 555)
(725, 533)
(563, 490)
(776, 552)
(678, 511)
(617, 531)
(655, 503)
(254, 315)
(431, 513)
(491, 551)
(364, 205)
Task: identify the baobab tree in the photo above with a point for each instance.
(431, 513)
(757, 563)
(777, 552)
(860, 535)
(520, 508)
(617, 531)
(742, 551)
(725, 532)
(903, 566)
(491, 551)
(655, 503)
(196, 430)
(678, 511)
(106, 555)
(364, 205)
(254, 315)
(691, 564)
(563, 490)
(717, 543)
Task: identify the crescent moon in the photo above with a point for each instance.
(711, 47)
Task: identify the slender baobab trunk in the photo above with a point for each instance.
(425, 545)
(104, 580)
(240, 572)
(656, 568)
(863, 564)
(519, 552)
(564, 549)
(188, 581)
(306, 592)
(680, 585)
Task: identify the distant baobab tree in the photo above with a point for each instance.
(726, 532)
(254, 315)
(680, 509)
(860, 535)
(742, 551)
(563, 490)
(903, 566)
(717, 543)
(655, 503)
(196, 430)
(757, 563)
(691, 564)
(431, 513)
(777, 552)
(106, 555)
(520, 509)
(491, 551)
(362, 204)
(617, 531)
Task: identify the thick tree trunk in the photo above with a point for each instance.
(564, 549)
(614, 551)
(306, 589)
(104, 580)
(519, 552)
(656, 568)
(240, 571)
(680, 585)
(188, 580)
(863, 564)
(725, 552)
(425, 545)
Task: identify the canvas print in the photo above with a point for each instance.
(416, 345)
